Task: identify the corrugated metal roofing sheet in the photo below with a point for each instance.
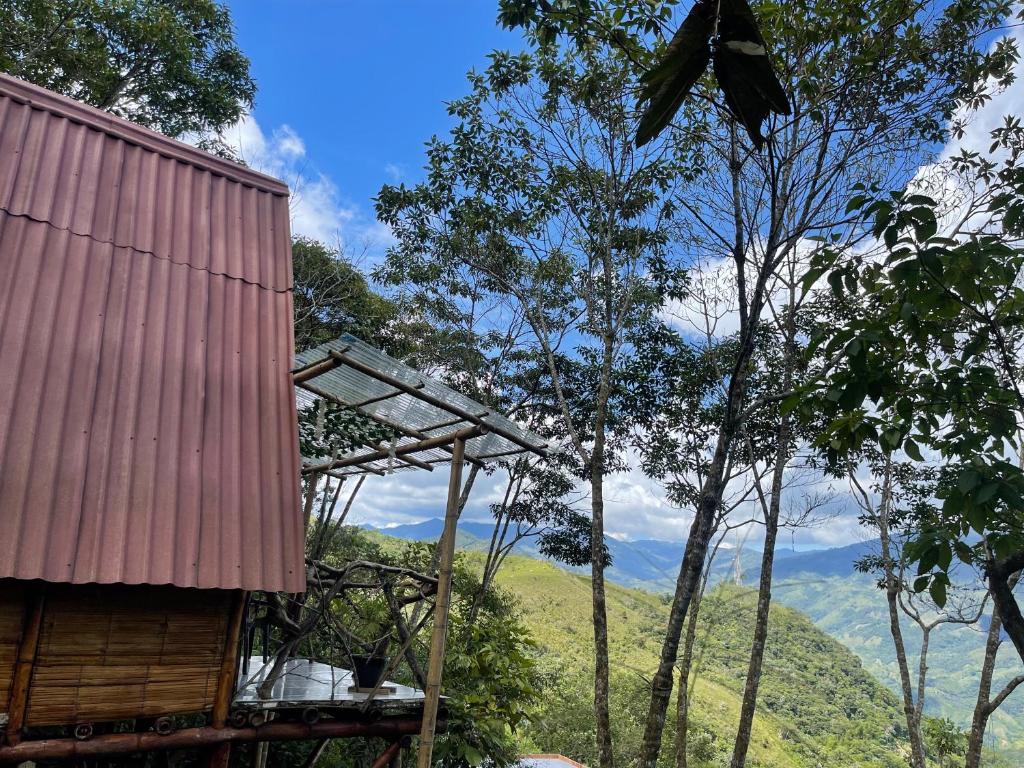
(147, 415)
(347, 385)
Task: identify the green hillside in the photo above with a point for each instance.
(853, 610)
(847, 605)
(818, 705)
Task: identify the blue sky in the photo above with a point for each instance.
(361, 84)
(349, 91)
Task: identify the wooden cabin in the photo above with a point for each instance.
(148, 445)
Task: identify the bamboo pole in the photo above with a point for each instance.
(435, 664)
(423, 445)
(24, 666)
(206, 736)
(229, 662)
(384, 758)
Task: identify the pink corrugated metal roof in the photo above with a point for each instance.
(147, 417)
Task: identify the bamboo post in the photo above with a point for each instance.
(229, 662)
(220, 755)
(435, 663)
(24, 666)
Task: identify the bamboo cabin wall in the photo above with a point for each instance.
(12, 615)
(111, 652)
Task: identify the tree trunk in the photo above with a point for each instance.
(601, 675)
(686, 585)
(602, 715)
(1000, 577)
(683, 694)
(986, 705)
(764, 599)
(979, 721)
(693, 560)
(771, 531)
(891, 595)
(750, 306)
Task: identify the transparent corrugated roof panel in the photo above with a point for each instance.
(354, 388)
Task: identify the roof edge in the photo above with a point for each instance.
(37, 97)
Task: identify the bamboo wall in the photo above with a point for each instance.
(12, 614)
(117, 652)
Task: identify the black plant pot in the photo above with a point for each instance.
(368, 671)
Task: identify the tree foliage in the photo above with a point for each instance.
(170, 65)
(929, 360)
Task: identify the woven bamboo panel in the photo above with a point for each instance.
(115, 652)
(12, 612)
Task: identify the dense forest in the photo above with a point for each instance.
(741, 251)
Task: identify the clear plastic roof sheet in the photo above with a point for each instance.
(415, 407)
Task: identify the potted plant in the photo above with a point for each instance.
(368, 665)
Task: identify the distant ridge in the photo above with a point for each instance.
(653, 564)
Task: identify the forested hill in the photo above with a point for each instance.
(818, 704)
(825, 586)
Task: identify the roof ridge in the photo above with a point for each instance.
(37, 97)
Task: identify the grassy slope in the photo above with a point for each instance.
(818, 704)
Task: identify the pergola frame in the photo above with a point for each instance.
(470, 425)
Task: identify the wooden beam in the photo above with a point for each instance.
(379, 398)
(389, 754)
(315, 369)
(435, 663)
(25, 664)
(422, 445)
(206, 736)
(401, 428)
(452, 422)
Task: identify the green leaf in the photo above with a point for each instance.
(937, 589)
(835, 280)
(968, 481)
(929, 559)
(986, 492)
(912, 450)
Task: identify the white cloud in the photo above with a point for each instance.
(318, 208)
(395, 172)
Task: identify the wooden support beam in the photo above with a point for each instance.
(206, 736)
(435, 662)
(389, 754)
(380, 398)
(25, 664)
(229, 663)
(384, 422)
(452, 422)
(422, 445)
(315, 369)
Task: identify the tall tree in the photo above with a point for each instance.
(170, 65)
(986, 703)
(332, 296)
(869, 85)
(540, 202)
(930, 357)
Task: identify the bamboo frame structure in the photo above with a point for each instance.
(467, 422)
